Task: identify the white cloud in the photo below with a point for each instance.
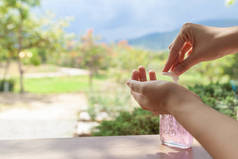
(129, 18)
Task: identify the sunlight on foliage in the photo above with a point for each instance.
(229, 2)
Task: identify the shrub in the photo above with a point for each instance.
(35, 60)
(218, 96)
(139, 122)
(112, 101)
(7, 85)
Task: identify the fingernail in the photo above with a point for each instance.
(140, 66)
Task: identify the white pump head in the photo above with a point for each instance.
(172, 75)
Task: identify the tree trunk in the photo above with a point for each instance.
(20, 38)
(90, 80)
(6, 68)
(21, 71)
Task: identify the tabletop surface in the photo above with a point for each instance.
(117, 147)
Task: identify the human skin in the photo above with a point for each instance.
(196, 43)
(217, 133)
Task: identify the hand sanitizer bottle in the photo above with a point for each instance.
(172, 133)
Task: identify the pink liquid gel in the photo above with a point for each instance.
(172, 132)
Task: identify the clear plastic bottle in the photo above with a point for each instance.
(172, 133)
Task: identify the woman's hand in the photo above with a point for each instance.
(160, 97)
(200, 43)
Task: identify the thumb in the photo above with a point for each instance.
(135, 86)
(184, 65)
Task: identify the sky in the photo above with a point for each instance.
(125, 19)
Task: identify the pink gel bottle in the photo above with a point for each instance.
(172, 132)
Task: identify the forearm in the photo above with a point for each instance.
(216, 132)
(228, 40)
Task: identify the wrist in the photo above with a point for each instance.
(186, 105)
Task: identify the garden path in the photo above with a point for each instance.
(40, 116)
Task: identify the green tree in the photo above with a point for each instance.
(92, 55)
(21, 32)
(126, 59)
(15, 25)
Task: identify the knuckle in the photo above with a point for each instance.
(187, 26)
(175, 50)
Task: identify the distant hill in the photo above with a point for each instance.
(161, 40)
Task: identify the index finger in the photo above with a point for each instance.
(174, 53)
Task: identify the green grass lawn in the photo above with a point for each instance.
(72, 84)
(59, 84)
